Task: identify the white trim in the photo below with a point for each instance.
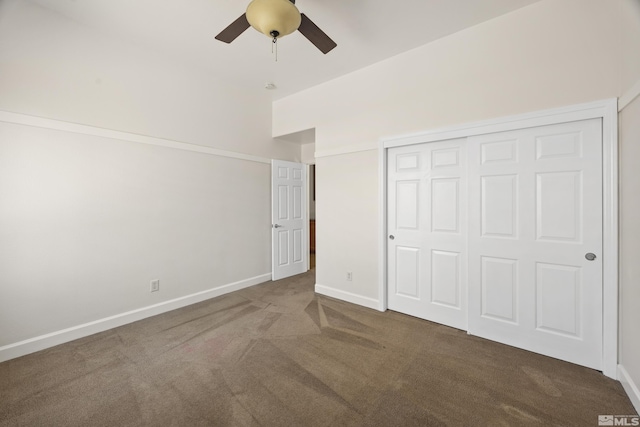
(632, 389)
(42, 342)
(610, 238)
(520, 121)
(628, 97)
(347, 149)
(41, 122)
(348, 297)
(382, 223)
(606, 110)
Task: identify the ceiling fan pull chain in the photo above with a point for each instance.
(275, 34)
(275, 43)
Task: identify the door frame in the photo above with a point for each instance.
(311, 195)
(607, 110)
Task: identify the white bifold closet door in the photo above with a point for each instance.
(535, 227)
(427, 227)
(501, 235)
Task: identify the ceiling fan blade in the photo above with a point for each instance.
(316, 35)
(236, 28)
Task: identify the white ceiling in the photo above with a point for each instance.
(366, 31)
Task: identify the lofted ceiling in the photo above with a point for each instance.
(366, 31)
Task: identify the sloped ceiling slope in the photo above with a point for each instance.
(367, 31)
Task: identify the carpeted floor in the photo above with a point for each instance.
(278, 355)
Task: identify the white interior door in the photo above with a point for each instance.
(427, 229)
(289, 219)
(535, 216)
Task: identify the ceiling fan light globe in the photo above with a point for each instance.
(267, 16)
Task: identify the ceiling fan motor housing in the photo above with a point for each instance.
(271, 17)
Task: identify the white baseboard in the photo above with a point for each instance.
(630, 387)
(348, 297)
(42, 342)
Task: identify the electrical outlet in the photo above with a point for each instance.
(155, 285)
(349, 276)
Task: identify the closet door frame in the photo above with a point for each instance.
(607, 110)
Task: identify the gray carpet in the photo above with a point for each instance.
(278, 355)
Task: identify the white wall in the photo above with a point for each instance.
(546, 55)
(307, 153)
(87, 221)
(550, 54)
(53, 67)
(630, 243)
(630, 202)
(630, 42)
(347, 220)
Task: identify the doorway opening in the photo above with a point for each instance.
(312, 216)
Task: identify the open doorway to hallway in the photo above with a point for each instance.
(312, 216)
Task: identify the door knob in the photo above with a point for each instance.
(277, 225)
(391, 237)
(590, 256)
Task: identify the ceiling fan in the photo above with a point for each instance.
(277, 18)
